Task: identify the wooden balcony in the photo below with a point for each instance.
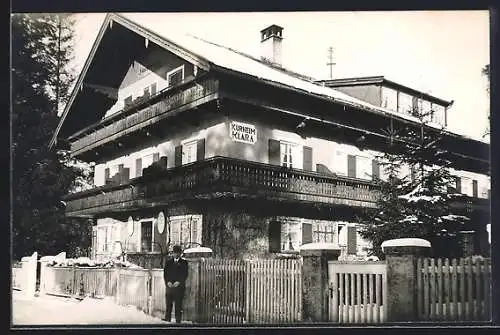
(221, 177)
(184, 96)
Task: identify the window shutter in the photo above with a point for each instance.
(164, 161)
(178, 156)
(474, 188)
(106, 175)
(274, 152)
(156, 157)
(200, 150)
(351, 240)
(138, 167)
(375, 169)
(307, 233)
(458, 183)
(125, 175)
(274, 236)
(351, 166)
(307, 153)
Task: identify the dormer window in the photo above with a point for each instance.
(176, 76)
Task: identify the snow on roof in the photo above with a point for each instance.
(234, 60)
(453, 217)
(406, 242)
(319, 246)
(197, 249)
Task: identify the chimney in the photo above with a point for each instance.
(271, 38)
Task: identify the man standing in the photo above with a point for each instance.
(175, 274)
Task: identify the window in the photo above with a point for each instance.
(153, 88)
(348, 238)
(363, 167)
(146, 91)
(340, 163)
(439, 114)
(455, 185)
(185, 230)
(426, 108)
(94, 240)
(128, 101)
(404, 103)
(416, 106)
(389, 98)
(102, 240)
(286, 154)
(325, 232)
(467, 186)
(290, 155)
(291, 236)
(146, 236)
(189, 152)
(176, 76)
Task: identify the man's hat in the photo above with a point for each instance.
(177, 249)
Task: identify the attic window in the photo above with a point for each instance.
(128, 101)
(176, 76)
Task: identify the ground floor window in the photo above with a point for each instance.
(146, 236)
(291, 236)
(324, 232)
(185, 230)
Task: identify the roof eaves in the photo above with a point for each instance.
(200, 61)
(81, 76)
(164, 42)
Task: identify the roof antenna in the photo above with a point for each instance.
(330, 63)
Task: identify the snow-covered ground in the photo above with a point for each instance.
(51, 310)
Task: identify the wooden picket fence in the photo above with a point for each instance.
(17, 275)
(358, 292)
(454, 290)
(252, 291)
(72, 281)
(225, 291)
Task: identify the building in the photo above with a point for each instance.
(196, 143)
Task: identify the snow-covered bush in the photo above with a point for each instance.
(87, 262)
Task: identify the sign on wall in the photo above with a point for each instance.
(161, 222)
(243, 132)
(130, 225)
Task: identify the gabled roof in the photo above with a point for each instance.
(210, 55)
(355, 81)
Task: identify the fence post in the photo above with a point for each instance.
(28, 272)
(149, 290)
(315, 293)
(401, 258)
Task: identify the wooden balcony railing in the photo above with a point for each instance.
(124, 122)
(220, 176)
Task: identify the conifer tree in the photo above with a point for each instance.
(419, 204)
(40, 76)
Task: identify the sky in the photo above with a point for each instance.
(438, 52)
